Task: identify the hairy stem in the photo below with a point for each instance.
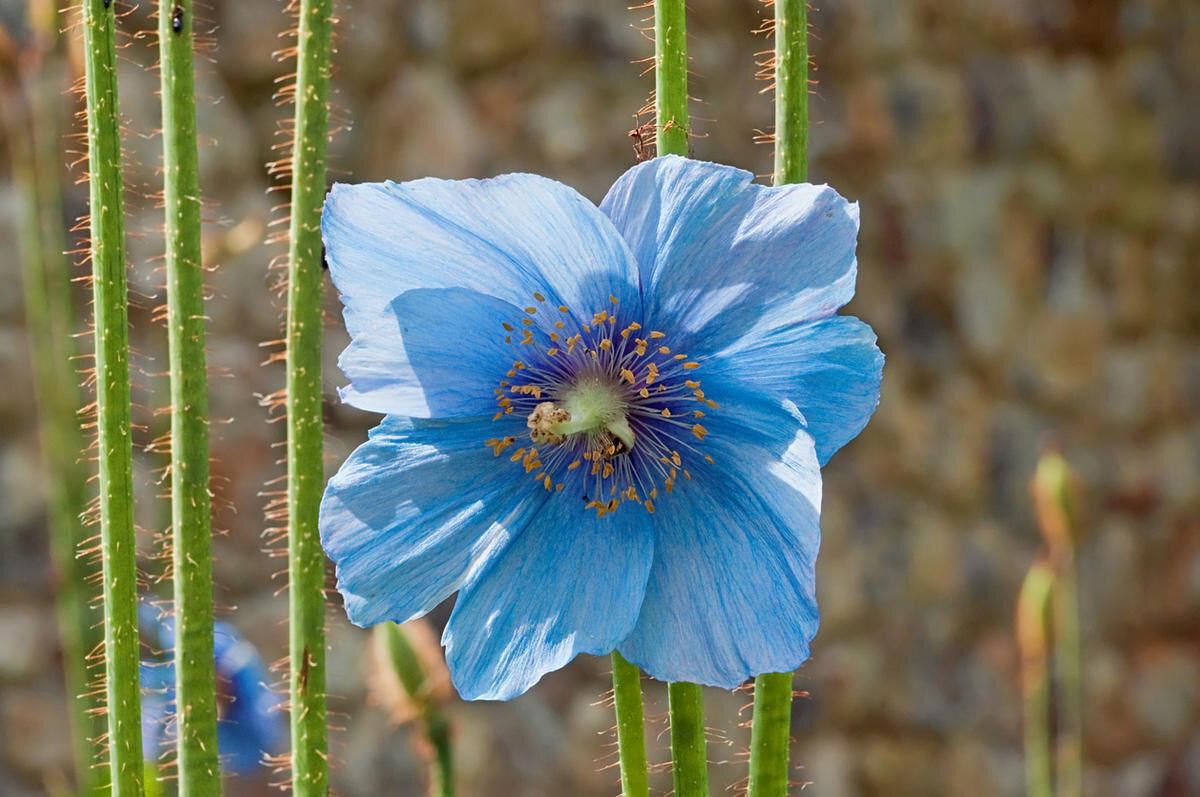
(631, 727)
(770, 733)
(670, 77)
(791, 91)
(36, 142)
(191, 507)
(306, 560)
(689, 752)
(49, 315)
(771, 724)
(113, 423)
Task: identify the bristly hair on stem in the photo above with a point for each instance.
(113, 420)
(35, 135)
(191, 506)
(305, 162)
(671, 77)
(787, 68)
(631, 727)
(688, 744)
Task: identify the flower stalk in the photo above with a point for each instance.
(1055, 502)
(791, 91)
(689, 752)
(113, 413)
(670, 77)
(1034, 634)
(770, 734)
(191, 506)
(771, 723)
(50, 317)
(631, 727)
(306, 560)
(435, 726)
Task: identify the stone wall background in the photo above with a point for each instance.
(1029, 257)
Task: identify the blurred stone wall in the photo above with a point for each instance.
(1029, 257)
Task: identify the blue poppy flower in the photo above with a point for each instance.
(250, 725)
(604, 426)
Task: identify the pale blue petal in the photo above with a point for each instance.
(830, 368)
(431, 353)
(570, 583)
(719, 255)
(732, 593)
(507, 237)
(416, 509)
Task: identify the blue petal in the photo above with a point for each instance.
(571, 583)
(507, 237)
(830, 368)
(251, 725)
(418, 508)
(731, 593)
(720, 255)
(157, 708)
(431, 353)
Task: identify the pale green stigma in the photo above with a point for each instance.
(589, 408)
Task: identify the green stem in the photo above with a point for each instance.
(191, 507)
(412, 676)
(1056, 504)
(688, 749)
(631, 727)
(1067, 656)
(771, 723)
(306, 560)
(113, 422)
(770, 733)
(50, 313)
(670, 77)
(688, 753)
(791, 91)
(50, 304)
(1034, 624)
(441, 771)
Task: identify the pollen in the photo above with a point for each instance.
(543, 417)
(498, 446)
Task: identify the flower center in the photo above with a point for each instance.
(590, 408)
(611, 414)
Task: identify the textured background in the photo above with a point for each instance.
(1029, 257)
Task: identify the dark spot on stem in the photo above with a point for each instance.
(304, 671)
(177, 18)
